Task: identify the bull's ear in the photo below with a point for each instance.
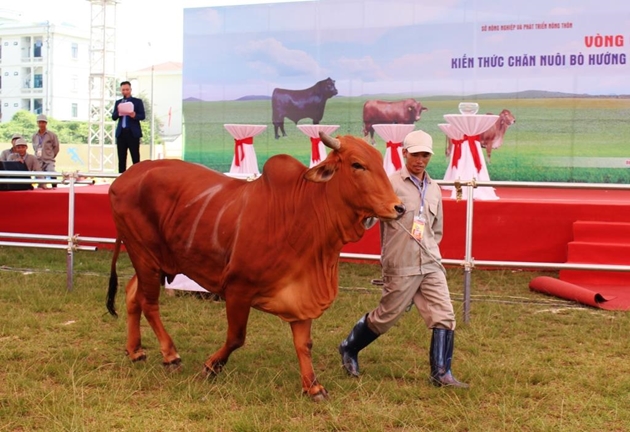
(321, 173)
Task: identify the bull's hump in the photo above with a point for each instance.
(171, 175)
(283, 169)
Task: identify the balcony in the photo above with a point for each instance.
(32, 59)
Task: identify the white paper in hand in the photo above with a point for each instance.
(125, 108)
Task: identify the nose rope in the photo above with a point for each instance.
(427, 251)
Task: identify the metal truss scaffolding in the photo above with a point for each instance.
(101, 138)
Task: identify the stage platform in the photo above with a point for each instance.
(525, 224)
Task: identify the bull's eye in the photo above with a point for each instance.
(358, 166)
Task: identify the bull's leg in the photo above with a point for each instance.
(282, 128)
(148, 295)
(237, 310)
(489, 152)
(372, 140)
(303, 344)
(275, 130)
(134, 312)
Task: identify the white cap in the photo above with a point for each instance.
(418, 141)
(42, 117)
(21, 141)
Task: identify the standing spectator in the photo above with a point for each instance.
(45, 145)
(128, 111)
(6, 154)
(412, 270)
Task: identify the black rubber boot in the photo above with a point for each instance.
(441, 356)
(360, 337)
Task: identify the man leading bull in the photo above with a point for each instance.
(412, 269)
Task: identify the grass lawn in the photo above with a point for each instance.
(534, 363)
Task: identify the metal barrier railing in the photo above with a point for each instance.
(468, 263)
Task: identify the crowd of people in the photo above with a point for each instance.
(128, 111)
(45, 149)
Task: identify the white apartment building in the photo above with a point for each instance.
(44, 69)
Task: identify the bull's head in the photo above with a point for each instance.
(414, 109)
(360, 177)
(507, 117)
(329, 88)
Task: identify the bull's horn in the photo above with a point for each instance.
(329, 141)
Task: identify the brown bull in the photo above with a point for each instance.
(493, 137)
(406, 111)
(272, 244)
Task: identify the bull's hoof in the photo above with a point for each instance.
(142, 357)
(319, 396)
(173, 365)
(137, 356)
(214, 369)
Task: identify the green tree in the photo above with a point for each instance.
(146, 124)
(23, 122)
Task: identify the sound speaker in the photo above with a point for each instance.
(13, 166)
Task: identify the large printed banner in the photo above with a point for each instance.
(558, 75)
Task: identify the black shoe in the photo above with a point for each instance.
(360, 337)
(441, 356)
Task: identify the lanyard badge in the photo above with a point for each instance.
(417, 229)
(419, 220)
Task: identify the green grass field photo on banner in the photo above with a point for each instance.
(553, 139)
(561, 72)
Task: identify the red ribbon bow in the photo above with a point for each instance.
(457, 151)
(394, 146)
(315, 149)
(239, 153)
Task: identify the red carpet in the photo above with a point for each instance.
(523, 225)
(600, 296)
(594, 243)
(599, 243)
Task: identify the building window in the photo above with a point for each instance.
(37, 106)
(75, 110)
(37, 48)
(75, 50)
(74, 80)
(38, 81)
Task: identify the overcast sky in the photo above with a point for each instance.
(403, 46)
(138, 22)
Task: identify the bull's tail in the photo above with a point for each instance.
(113, 281)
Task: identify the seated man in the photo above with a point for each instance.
(5, 156)
(20, 155)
